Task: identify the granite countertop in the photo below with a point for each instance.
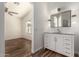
(59, 33)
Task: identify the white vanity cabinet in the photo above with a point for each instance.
(61, 43)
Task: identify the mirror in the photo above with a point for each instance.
(62, 19)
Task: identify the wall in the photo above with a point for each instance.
(15, 25)
(40, 15)
(23, 25)
(2, 41)
(12, 27)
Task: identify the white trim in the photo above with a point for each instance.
(37, 49)
(32, 29)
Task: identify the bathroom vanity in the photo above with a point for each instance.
(60, 42)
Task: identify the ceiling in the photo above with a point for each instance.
(71, 5)
(22, 8)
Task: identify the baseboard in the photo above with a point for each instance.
(20, 38)
(76, 54)
(25, 38)
(37, 50)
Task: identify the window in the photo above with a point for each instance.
(28, 27)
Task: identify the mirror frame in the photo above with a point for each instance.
(57, 14)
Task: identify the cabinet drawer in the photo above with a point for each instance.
(45, 43)
(46, 38)
(68, 53)
(67, 40)
(67, 44)
(47, 46)
(67, 49)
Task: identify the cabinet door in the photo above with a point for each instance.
(52, 42)
(59, 44)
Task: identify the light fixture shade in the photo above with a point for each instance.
(17, 3)
(6, 9)
(58, 9)
(74, 15)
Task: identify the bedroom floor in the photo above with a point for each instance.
(22, 48)
(17, 47)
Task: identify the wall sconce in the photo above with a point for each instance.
(17, 3)
(74, 15)
(58, 9)
(49, 19)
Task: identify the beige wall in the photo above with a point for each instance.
(26, 35)
(15, 25)
(40, 17)
(2, 41)
(12, 27)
